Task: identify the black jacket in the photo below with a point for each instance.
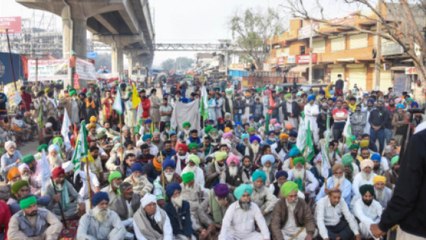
(408, 204)
(180, 220)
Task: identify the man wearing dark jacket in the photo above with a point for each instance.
(178, 212)
(378, 118)
(291, 216)
(407, 207)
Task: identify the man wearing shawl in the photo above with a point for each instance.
(150, 221)
(383, 193)
(179, 212)
(194, 166)
(292, 217)
(232, 225)
(168, 176)
(63, 192)
(232, 176)
(305, 179)
(261, 195)
(364, 177)
(100, 222)
(216, 168)
(338, 180)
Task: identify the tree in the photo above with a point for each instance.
(184, 63)
(252, 30)
(168, 64)
(398, 20)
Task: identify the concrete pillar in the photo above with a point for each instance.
(129, 64)
(116, 58)
(79, 37)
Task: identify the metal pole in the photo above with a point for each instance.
(11, 59)
(377, 62)
(310, 53)
(36, 73)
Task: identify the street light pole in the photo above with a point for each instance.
(377, 60)
(310, 52)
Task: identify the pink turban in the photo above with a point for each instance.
(233, 159)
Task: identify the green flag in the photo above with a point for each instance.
(309, 151)
(81, 147)
(204, 104)
(117, 106)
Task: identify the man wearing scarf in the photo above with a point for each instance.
(268, 167)
(261, 195)
(232, 176)
(138, 180)
(366, 176)
(113, 189)
(194, 166)
(232, 225)
(367, 210)
(280, 148)
(254, 147)
(215, 206)
(62, 192)
(305, 179)
(195, 195)
(100, 222)
(216, 168)
(292, 217)
(181, 157)
(339, 181)
(33, 223)
(150, 221)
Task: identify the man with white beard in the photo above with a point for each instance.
(268, 161)
(113, 189)
(216, 168)
(339, 181)
(262, 196)
(100, 222)
(138, 179)
(364, 177)
(168, 176)
(305, 179)
(63, 192)
(179, 213)
(193, 166)
(232, 176)
(242, 216)
(383, 193)
(27, 175)
(292, 217)
(54, 156)
(193, 193)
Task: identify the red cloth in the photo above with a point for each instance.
(146, 105)
(57, 171)
(5, 216)
(26, 101)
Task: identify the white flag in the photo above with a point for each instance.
(65, 129)
(43, 172)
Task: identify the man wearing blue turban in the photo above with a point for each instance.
(242, 216)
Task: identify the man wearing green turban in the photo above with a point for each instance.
(33, 223)
(242, 216)
(113, 189)
(194, 166)
(305, 179)
(291, 209)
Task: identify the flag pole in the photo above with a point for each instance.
(89, 187)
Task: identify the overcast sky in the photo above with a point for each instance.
(191, 21)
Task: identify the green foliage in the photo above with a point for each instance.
(251, 31)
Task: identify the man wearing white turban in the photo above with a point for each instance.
(150, 221)
(10, 159)
(54, 157)
(366, 176)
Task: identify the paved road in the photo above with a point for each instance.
(29, 148)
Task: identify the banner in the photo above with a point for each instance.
(48, 70)
(13, 24)
(85, 70)
(6, 74)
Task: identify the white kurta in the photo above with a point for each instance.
(311, 113)
(367, 215)
(240, 224)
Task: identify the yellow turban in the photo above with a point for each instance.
(379, 178)
(364, 143)
(227, 129)
(283, 136)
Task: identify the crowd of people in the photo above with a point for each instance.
(244, 174)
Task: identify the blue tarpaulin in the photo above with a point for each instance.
(237, 73)
(6, 75)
